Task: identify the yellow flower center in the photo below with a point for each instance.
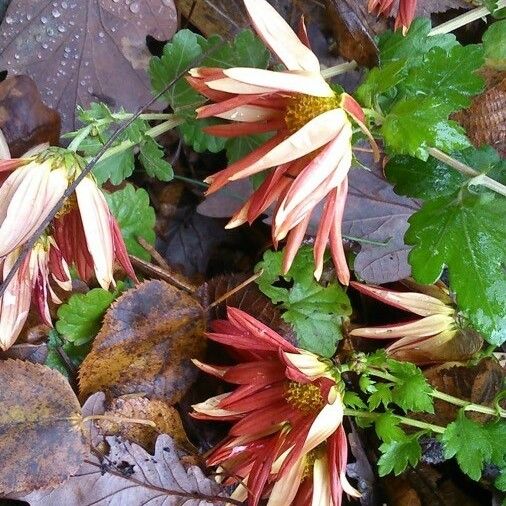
(314, 454)
(302, 109)
(68, 205)
(305, 397)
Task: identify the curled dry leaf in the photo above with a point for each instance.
(485, 119)
(145, 345)
(165, 417)
(41, 443)
(24, 118)
(83, 51)
(130, 475)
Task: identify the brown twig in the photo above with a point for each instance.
(245, 283)
(25, 250)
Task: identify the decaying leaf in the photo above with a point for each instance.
(41, 443)
(24, 118)
(145, 345)
(485, 119)
(79, 52)
(479, 384)
(375, 213)
(166, 418)
(129, 475)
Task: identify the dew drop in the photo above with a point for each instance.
(64, 5)
(28, 17)
(101, 35)
(135, 7)
(50, 31)
(62, 29)
(16, 56)
(45, 45)
(43, 20)
(9, 20)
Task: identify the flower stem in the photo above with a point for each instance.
(403, 419)
(463, 19)
(478, 178)
(468, 406)
(339, 69)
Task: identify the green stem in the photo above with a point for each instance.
(477, 177)
(403, 419)
(463, 19)
(339, 69)
(152, 132)
(468, 406)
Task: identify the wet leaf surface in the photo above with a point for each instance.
(25, 119)
(145, 345)
(41, 443)
(130, 475)
(79, 52)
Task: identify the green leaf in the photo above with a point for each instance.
(412, 391)
(151, 156)
(194, 135)
(382, 395)
(366, 384)
(387, 428)
(398, 455)
(352, 400)
(412, 47)
(494, 46)
(115, 168)
(470, 443)
(447, 76)
(381, 80)
(54, 358)
(425, 179)
(497, 435)
(500, 482)
(315, 311)
(136, 218)
(466, 233)
(80, 318)
(414, 124)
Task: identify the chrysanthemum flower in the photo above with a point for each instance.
(32, 282)
(310, 152)
(432, 338)
(85, 230)
(405, 12)
(287, 442)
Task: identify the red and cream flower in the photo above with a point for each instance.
(434, 337)
(405, 11)
(32, 282)
(85, 230)
(287, 442)
(309, 155)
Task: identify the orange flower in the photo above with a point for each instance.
(432, 338)
(85, 230)
(287, 442)
(405, 12)
(309, 155)
(32, 281)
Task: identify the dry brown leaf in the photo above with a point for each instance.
(131, 476)
(166, 418)
(41, 443)
(479, 384)
(87, 50)
(145, 345)
(485, 119)
(24, 119)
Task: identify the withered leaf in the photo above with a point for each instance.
(145, 345)
(165, 417)
(83, 51)
(41, 443)
(130, 475)
(24, 118)
(375, 213)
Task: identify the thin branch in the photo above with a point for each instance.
(25, 250)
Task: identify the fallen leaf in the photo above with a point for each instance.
(24, 118)
(479, 384)
(41, 443)
(80, 52)
(130, 475)
(145, 345)
(166, 418)
(227, 201)
(375, 213)
(35, 353)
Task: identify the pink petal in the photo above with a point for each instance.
(312, 136)
(285, 488)
(280, 38)
(237, 87)
(231, 130)
(294, 82)
(95, 216)
(323, 233)
(295, 238)
(335, 238)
